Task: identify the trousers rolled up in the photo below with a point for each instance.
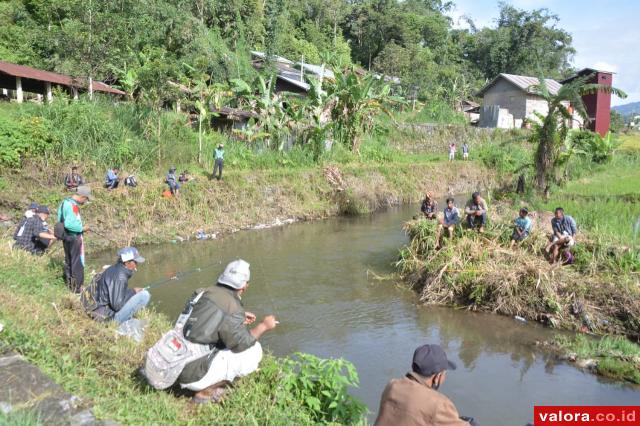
(73, 262)
(227, 365)
(476, 221)
(217, 167)
(133, 305)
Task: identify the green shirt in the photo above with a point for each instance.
(70, 210)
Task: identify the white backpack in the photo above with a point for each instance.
(167, 358)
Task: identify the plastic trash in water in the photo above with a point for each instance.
(133, 328)
(519, 318)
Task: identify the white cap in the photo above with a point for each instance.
(130, 253)
(236, 274)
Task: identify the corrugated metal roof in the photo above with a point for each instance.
(522, 82)
(52, 77)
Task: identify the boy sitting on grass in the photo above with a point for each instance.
(522, 227)
(450, 219)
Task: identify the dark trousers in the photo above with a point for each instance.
(73, 267)
(219, 163)
(112, 185)
(476, 221)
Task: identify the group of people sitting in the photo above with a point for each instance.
(175, 183)
(563, 226)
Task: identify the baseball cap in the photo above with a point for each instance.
(130, 253)
(236, 274)
(430, 359)
(42, 209)
(33, 206)
(84, 191)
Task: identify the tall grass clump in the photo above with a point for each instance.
(481, 272)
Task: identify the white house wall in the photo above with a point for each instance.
(508, 96)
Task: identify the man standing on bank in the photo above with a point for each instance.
(414, 400)
(218, 158)
(73, 243)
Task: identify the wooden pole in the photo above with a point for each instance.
(19, 94)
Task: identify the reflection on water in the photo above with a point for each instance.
(316, 277)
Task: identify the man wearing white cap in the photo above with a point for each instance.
(114, 300)
(218, 319)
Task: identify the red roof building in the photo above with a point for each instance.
(20, 78)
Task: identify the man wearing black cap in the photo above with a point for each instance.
(414, 400)
(34, 236)
(73, 180)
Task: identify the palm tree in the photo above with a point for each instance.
(552, 131)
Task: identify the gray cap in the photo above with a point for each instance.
(84, 191)
(236, 274)
(431, 359)
(130, 253)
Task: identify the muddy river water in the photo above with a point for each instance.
(319, 279)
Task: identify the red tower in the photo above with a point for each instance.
(598, 104)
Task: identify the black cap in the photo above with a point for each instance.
(42, 209)
(430, 359)
(32, 206)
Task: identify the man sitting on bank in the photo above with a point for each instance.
(564, 236)
(112, 180)
(73, 180)
(429, 206)
(414, 400)
(476, 210)
(114, 300)
(218, 319)
(34, 236)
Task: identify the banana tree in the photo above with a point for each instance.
(355, 102)
(552, 132)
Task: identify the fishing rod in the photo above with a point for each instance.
(178, 276)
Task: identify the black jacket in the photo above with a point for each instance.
(112, 291)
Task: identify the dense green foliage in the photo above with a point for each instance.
(139, 45)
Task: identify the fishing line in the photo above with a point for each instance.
(179, 275)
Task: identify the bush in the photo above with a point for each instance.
(323, 386)
(23, 137)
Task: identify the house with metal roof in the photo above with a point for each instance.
(508, 100)
(20, 79)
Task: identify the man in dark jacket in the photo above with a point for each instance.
(219, 319)
(73, 180)
(114, 299)
(414, 400)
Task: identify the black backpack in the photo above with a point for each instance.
(58, 229)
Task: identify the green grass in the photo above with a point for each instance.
(630, 142)
(616, 357)
(605, 200)
(19, 418)
(46, 325)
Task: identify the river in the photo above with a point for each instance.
(319, 279)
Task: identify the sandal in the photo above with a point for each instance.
(215, 397)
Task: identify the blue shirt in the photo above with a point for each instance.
(524, 223)
(465, 148)
(111, 176)
(566, 225)
(218, 154)
(451, 216)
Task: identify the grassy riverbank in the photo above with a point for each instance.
(43, 322)
(243, 199)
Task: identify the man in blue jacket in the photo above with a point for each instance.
(114, 299)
